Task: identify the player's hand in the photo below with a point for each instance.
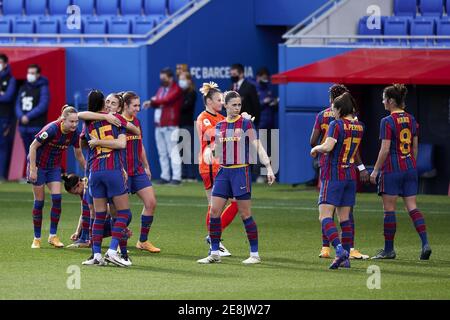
(93, 143)
(373, 177)
(74, 237)
(125, 175)
(270, 176)
(364, 176)
(148, 173)
(313, 152)
(32, 177)
(113, 120)
(247, 116)
(208, 156)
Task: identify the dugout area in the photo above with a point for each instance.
(366, 72)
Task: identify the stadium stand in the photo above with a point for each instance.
(86, 6)
(175, 5)
(23, 25)
(12, 7)
(107, 7)
(58, 7)
(422, 27)
(432, 8)
(443, 29)
(35, 7)
(396, 26)
(131, 7)
(48, 25)
(405, 8)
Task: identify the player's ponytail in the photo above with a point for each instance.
(336, 90)
(208, 90)
(344, 104)
(70, 181)
(397, 92)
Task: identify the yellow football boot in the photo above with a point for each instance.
(325, 253)
(148, 246)
(54, 241)
(36, 244)
(355, 254)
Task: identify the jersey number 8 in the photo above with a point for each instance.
(405, 141)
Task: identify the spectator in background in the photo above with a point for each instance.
(167, 103)
(32, 105)
(187, 119)
(269, 105)
(246, 90)
(7, 100)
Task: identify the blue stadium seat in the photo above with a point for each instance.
(12, 7)
(58, 7)
(433, 8)
(447, 7)
(95, 26)
(155, 7)
(131, 7)
(405, 8)
(142, 25)
(49, 25)
(86, 6)
(5, 27)
(443, 29)
(119, 26)
(107, 7)
(364, 30)
(396, 26)
(64, 29)
(423, 26)
(35, 7)
(23, 25)
(175, 5)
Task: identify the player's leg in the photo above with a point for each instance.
(163, 154)
(325, 251)
(147, 195)
(100, 205)
(326, 219)
(55, 212)
(39, 196)
(390, 227)
(419, 223)
(244, 204)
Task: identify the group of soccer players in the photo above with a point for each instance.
(394, 172)
(117, 165)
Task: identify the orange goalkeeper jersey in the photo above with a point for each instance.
(206, 124)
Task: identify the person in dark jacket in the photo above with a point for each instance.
(187, 122)
(32, 105)
(7, 99)
(246, 90)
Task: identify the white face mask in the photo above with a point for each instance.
(31, 77)
(183, 84)
(1, 67)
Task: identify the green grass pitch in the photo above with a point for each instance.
(289, 235)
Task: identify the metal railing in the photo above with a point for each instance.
(134, 40)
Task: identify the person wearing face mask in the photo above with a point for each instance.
(246, 90)
(167, 103)
(187, 118)
(267, 101)
(7, 98)
(32, 105)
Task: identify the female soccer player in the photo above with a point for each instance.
(107, 180)
(318, 136)
(396, 167)
(44, 168)
(234, 138)
(138, 170)
(206, 124)
(338, 175)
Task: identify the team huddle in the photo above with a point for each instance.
(117, 165)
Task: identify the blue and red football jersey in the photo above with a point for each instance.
(339, 163)
(400, 128)
(101, 158)
(232, 142)
(134, 151)
(323, 120)
(54, 143)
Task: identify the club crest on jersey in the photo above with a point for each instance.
(206, 122)
(43, 135)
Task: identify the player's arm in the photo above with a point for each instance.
(315, 134)
(363, 173)
(415, 146)
(265, 160)
(33, 169)
(145, 163)
(325, 147)
(133, 129)
(76, 234)
(119, 143)
(79, 156)
(382, 155)
(94, 116)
